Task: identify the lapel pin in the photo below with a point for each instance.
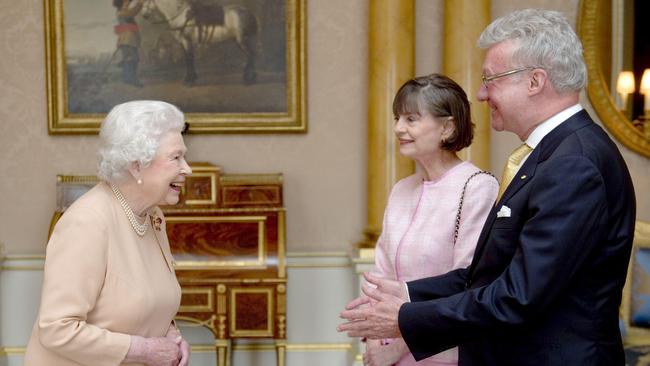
(523, 176)
(157, 222)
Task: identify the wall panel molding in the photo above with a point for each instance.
(319, 283)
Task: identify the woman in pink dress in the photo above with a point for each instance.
(423, 233)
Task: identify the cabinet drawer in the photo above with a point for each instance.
(251, 311)
(251, 195)
(197, 299)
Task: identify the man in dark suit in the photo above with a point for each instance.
(545, 283)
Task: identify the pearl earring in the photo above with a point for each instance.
(139, 181)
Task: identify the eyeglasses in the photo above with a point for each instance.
(488, 79)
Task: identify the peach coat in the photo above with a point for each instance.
(102, 283)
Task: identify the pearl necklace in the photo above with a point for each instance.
(139, 228)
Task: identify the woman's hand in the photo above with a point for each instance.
(384, 355)
(185, 353)
(174, 334)
(158, 351)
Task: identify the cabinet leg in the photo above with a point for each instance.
(223, 352)
(280, 351)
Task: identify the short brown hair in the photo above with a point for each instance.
(441, 97)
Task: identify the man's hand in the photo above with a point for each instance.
(379, 319)
(391, 287)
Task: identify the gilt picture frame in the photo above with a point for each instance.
(245, 72)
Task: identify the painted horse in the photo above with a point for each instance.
(200, 23)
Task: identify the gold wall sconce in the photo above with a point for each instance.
(626, 85)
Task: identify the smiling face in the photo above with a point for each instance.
(163, 178)
(506, 96)
(419, 134)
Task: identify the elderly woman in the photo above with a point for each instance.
(433, 217)
(109, 290)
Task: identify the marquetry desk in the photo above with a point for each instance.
(227, 235)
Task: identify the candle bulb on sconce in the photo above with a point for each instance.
(625, 86)
(645, 90)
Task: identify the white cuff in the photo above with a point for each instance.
(408, 298)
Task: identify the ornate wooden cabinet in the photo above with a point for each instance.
(227, 234)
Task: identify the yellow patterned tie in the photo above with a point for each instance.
(512, 166)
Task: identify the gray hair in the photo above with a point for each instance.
(544, 39)
(131, 132)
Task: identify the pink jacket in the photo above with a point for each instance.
(418, 231)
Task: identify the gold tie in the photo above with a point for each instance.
(512, 166)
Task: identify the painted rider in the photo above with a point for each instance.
(128, 39)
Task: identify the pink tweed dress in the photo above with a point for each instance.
(418, 231)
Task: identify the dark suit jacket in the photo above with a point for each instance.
(545, 284)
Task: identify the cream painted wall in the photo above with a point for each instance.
(324, 170)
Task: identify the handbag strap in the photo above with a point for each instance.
(462, 198)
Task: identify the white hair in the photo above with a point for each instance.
(131, 132)
(543, 39)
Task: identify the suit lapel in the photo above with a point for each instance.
(525, 174)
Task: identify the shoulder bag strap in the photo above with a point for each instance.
(462, 198)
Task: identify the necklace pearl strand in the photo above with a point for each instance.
(139, 228)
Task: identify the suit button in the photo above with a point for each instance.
(468, 283)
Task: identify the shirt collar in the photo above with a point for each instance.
(547, 126)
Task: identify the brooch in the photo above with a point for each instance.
(156, 221)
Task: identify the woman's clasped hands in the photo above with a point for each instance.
(170, 350)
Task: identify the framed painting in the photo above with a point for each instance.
(232, 66)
